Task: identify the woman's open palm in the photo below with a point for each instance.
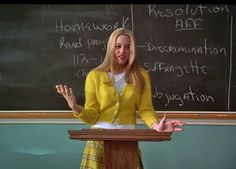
(68, 94)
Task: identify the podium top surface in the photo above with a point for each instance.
(120, 135)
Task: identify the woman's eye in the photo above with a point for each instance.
(120, 46)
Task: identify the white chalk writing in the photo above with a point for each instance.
(82, 26)
(192, 68)
(181, 99)
(69, 45)
(188, 17)
(203, 49)
(187, 10)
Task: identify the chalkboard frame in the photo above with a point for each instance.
(69, 115)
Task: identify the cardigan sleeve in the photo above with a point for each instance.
(89, 113)
(146, 110)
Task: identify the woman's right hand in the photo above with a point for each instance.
(68, 94)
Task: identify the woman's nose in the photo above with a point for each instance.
(122, 49)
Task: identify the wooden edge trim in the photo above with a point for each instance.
(36, 115)
(69, 115)
(200, 116)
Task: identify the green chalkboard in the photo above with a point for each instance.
(189, 51)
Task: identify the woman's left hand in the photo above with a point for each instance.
(168, 126)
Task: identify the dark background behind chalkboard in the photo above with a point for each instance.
(45, 45)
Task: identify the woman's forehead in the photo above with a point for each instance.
(123, 39)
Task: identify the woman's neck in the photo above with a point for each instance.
(119, 70)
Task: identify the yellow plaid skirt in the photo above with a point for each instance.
(93, 156)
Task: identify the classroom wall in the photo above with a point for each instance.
(47, 146)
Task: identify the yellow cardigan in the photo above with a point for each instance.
(104, 104)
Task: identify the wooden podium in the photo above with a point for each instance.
(120, 145)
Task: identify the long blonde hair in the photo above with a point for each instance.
(132, 69)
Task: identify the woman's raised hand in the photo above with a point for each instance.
(68, 94)
(168, 126)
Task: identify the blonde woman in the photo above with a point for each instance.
(114, 92)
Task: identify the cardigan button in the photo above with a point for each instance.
(117, 104)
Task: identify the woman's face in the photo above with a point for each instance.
(122, 50)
